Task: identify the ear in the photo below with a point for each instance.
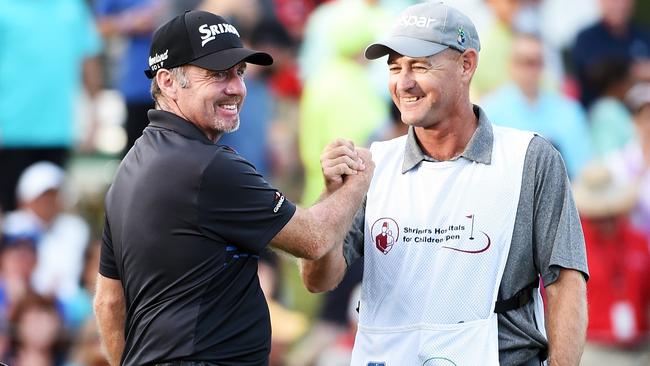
(469, 62)
(166, 83)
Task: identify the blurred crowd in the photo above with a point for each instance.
(74, 100)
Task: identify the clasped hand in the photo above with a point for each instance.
(342, 162)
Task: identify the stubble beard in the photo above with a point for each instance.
(222, 126)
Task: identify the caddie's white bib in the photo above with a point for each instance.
(436, 243)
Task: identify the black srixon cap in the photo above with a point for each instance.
(203, 39)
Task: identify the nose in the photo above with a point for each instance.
(405, 81)
(235, 86)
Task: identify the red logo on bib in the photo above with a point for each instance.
(385, 232)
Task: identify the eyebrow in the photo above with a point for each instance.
(412, 60)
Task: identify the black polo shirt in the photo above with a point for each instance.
(185, 221)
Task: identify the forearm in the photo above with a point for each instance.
(566, 318)
(326, 273)
(110, 311)
(336, 212)
(311, 233)
(111, 329)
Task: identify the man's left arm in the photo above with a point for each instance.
(566, 318)
(560, 254)
(110, 303)
(110, 310)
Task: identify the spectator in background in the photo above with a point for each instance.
(632, 163)
(613, 36)
(511, 17)
(134, 21)
(79, 307)
(61, 238)
(243, 14)
(46, 47)
(319, 47)
(282, 77)
(610, 120)
(339, 101)
(280, 34)
(525, 104)
(87, 348)
(17, 263)
(37, 338)
(492, 72)
(292, 14)
(618, 290)
(339, 353)
(330, 331)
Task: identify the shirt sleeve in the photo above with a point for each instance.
(238, 206)
(353, 244)
(107, 264)
(557, 234)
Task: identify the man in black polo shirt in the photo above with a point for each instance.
(187, 218)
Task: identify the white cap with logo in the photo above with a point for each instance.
(426, 29)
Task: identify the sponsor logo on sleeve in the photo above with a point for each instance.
(279, 200)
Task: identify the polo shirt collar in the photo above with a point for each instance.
(479, 148)
(170, 121)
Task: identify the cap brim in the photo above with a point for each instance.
(407, 46)
(223, 60)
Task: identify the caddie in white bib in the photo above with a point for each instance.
(437, 239)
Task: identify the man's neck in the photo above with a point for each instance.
(448, 138)
(172, 107)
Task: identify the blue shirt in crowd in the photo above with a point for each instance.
(553, 116)
(44, 44)
(130, 78)
(597, 44)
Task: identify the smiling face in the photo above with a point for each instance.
(426, 89)
(212, 100)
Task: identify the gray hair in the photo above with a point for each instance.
(178, 74)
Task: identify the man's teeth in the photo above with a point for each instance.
(229, 106)
(410, 99)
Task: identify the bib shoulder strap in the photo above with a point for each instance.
(521, 298)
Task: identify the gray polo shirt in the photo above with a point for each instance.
(547, 234)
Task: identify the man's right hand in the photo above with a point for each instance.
(341, 159)
(363, 175)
